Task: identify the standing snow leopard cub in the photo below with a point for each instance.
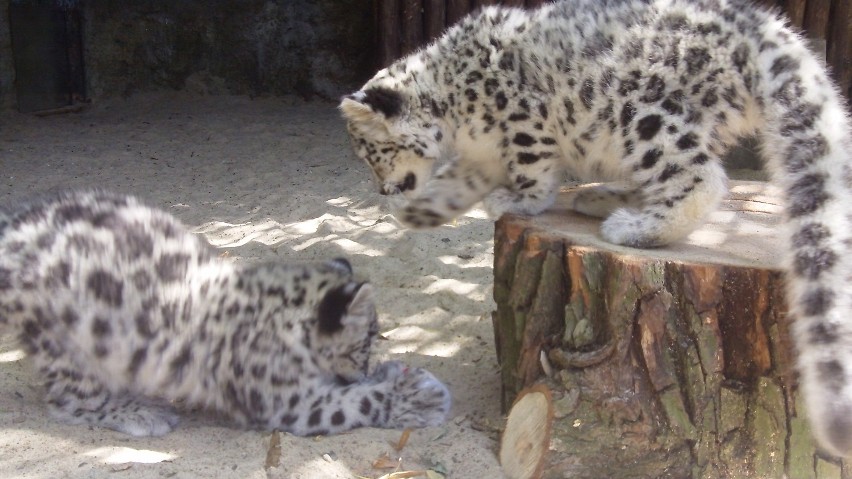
(648, 92)
(123, 310)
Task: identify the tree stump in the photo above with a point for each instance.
(673, 362)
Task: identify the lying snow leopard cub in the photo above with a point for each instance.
(651, 92)
(124, 310)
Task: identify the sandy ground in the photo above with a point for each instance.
(261, 179)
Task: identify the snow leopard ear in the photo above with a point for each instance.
(367, 104)
(351, 299)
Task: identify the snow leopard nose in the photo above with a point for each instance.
(388, 189)
(408, 183)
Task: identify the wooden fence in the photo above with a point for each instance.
(405, 25)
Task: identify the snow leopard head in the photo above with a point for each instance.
(388, 135)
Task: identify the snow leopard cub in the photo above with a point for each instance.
(124, 310)
(649, 92)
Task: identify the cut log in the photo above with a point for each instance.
(527, 434)
(672, 362)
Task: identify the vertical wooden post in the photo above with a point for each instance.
(457, 9)
(816, 17)
(485, 3)
(388, 18)
(839, 39)
(767, 3)
(412, 26)
(795, 9)
(434, 19)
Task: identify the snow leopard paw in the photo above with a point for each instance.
(503, 200)
(418, 400)
(500, 200)
(421, 215)
(146, 421)
(387, 371)
(632, 228)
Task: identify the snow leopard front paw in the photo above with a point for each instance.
(501, 200)
(421, 215)
(146, 421)
(418, 399)
(387, 371)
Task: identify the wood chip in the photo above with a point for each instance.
(403, 440)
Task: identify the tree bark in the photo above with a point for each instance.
(674, 362)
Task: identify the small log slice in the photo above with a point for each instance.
(527, 434)
(673, 362)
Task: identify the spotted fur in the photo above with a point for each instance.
(123, 311)
(649, 92)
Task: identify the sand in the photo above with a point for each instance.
(262, 179)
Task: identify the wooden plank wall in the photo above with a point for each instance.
(405, 25)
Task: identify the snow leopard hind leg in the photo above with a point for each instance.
(673, 200)
(671, 164)
(75, 397)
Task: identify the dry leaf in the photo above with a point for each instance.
(385, 462)
(273, 454)
(404, 475)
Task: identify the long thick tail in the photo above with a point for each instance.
(808, 141)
